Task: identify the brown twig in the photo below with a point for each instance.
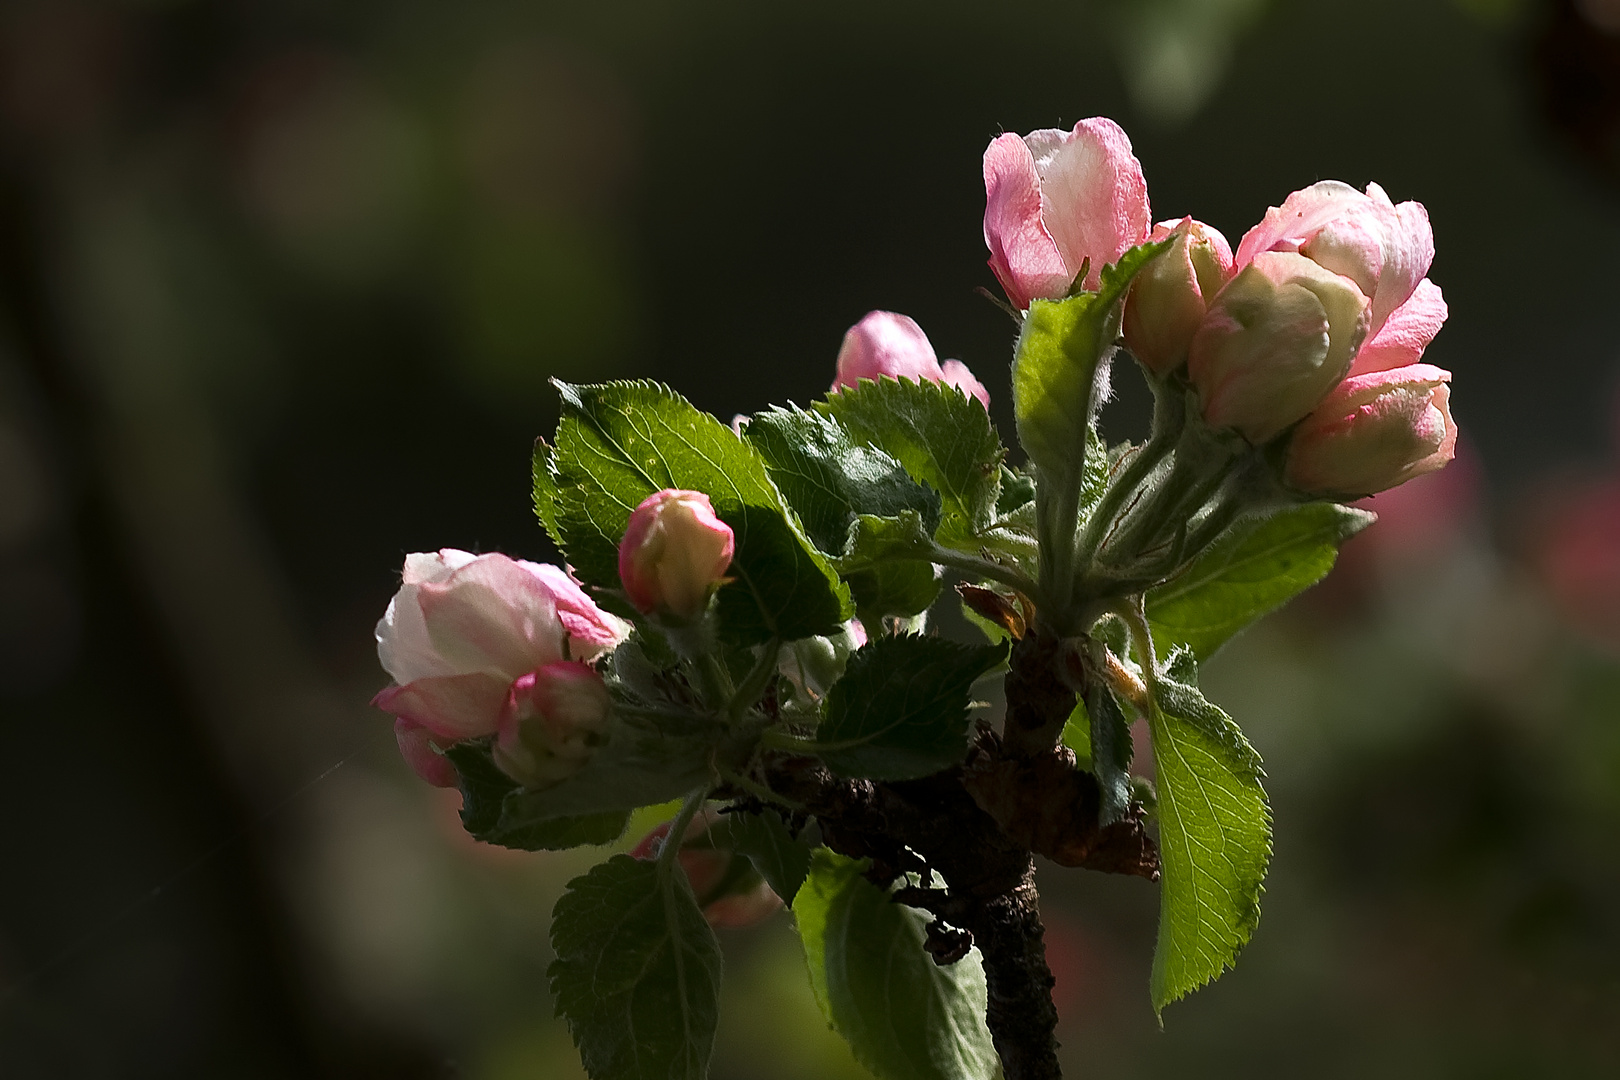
(976, 827)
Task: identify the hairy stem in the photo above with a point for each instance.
(1169, 414)
(677, 830)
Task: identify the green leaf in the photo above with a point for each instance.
(1254, 568)
(942, 437)
(1017, 489)
(637, 973)
(829, 478)
(901, 589)
(1077, 733)
(901, 709)
(905, 1017)
(619, 442)
(876, 540)
(1055, 363)
(1111, 752)
(545, 489)
(1214, 835)
(781, 858)
(484, 794)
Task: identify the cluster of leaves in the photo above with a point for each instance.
(856, 506)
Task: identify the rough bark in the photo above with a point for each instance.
(975, 827)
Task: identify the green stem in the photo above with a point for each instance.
(713, 681)
(677, 830)
(758, 790)
(1169, 417)
(1219, 520)
(1131, 611)
(972, 564)
(754, 683)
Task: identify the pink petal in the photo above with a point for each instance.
(492, 615)
(1405, 334)
(416, 746)
(591, 630)
(1094, 200)
(957, 374)
(1023, 254)
(882, 344)
(457, 707)
(1299, 218)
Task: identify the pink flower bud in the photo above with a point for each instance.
(1276, 339)
(1374, 432)
(1385, 249)
(728, 889)
(884, 344)
(1171, 294)
(462, 627)
(554, 718)
(674, 551)
(1055, 199)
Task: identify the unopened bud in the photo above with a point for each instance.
(886, 345)
(815, 663)
(728, 888)
(1171, 294)
(1276, 339)
(554, 719)
(1374, 432)
(674, 551)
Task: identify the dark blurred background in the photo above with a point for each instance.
(281, 284)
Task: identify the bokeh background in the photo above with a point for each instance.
(281, 284)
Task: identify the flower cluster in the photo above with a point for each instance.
(480, 645)
(1312, 331)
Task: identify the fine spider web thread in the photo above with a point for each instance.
(10, 993)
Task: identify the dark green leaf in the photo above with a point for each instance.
(781, 858)
(545, 489)
(1111, 752)
(1214, 835)
(942, 437)
(1017, 489)
(637, 973)
(901, 589)
(1256, 567)
(887, 568)
(905, 1017)
(619, 442)
(485, 791)
(1077, 733)
(875, 540)
(901, 709)
(1055, 366)
(829, 478)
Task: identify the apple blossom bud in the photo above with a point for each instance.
(1171, 294)
(461, 628)
(1276, 339)
(1373, 432)
(1058, 202)
(884, 344)
(675, 550)
(728, 888)
(554, 718)
(813, 664)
